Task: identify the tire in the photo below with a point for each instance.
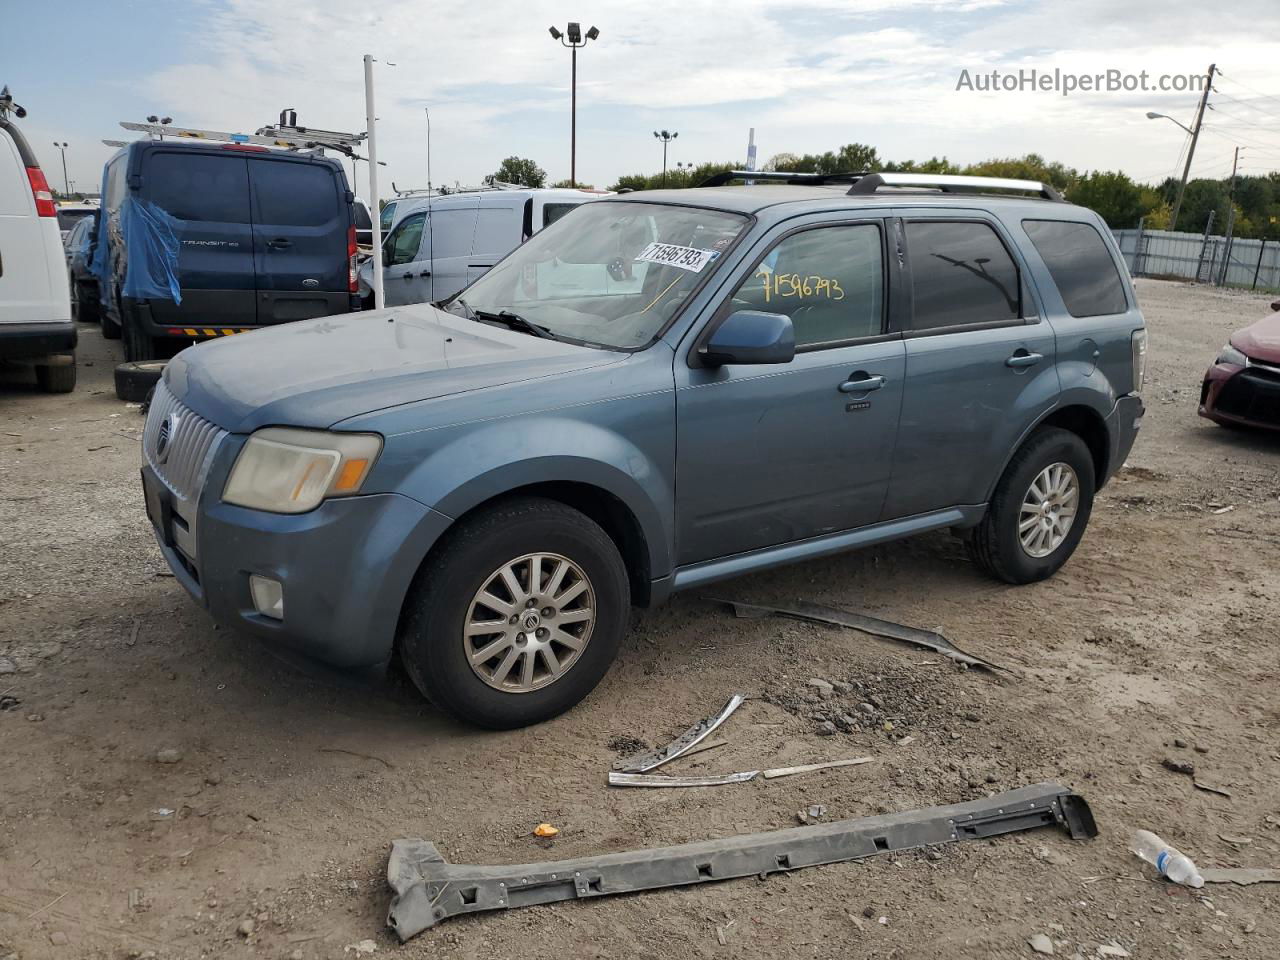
(135, 380)
(56, 379)
(85, 309)
(995, 544)
(431, 639)
(138, 344)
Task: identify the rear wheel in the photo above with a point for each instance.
(57, 377)
(1039, 511)
(84, 309)
(138, 344)
(517, 615)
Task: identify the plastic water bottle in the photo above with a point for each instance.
(1177, 866)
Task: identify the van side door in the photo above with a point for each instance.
(406, 272)
(980, 360)
(498, 232)
(209, 194)
(301, 218)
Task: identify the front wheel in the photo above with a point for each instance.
(1039, 511)
(517, 615)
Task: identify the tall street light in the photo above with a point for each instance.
(573, 38)
(66, 184)
(666, 137)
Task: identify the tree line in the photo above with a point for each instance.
(1120, 201)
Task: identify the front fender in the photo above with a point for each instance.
(484, 461)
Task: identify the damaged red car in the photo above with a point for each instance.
(1242, 387)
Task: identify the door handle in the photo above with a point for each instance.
(279, 243)
(1024, 359)
(425, 273)
(408, 276)
(864, 384)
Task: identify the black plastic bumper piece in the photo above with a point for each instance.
(25, 340)
(429, 889)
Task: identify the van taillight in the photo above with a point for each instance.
(352, 285)
(40, 190)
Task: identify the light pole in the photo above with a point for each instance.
(1195, 136)
(666, 137)
(573, 38)
(66, 184)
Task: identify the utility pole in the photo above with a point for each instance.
(573, 38)
(666, 137)
(1191, 151)
(375, 212)
(66, 184)
(1231, 221)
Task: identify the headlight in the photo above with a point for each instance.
(1138, 344)
(287, 470)
(1230, 354)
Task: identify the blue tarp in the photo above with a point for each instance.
(152, 242)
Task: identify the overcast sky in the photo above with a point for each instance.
(808, 76)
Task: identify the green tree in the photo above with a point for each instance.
(1030, 167)
(1201, 197)
(1116, 198)
(519, 170)
(569, 184)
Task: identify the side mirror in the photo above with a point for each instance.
(750, 336)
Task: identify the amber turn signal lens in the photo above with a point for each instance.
(349, 477)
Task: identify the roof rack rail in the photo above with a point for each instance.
(951, 183)
(780, 176)
(290, 138)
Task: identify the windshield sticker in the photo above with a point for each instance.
(674, 255)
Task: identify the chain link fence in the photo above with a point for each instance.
(1202, 257)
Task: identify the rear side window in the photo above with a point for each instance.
(115, 184)
(960, 274)
(1081, 266)
(293, 194)
(829, 281)
(552, 212)
(197, 187)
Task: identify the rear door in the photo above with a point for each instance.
(27, 287)
(498, 232)
(301, 218)
(209, 194)
(980, 361)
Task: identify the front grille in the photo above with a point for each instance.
(179, 445)
(1251, 395)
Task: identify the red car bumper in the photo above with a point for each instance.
(1247, 396)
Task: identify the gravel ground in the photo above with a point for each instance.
(267, 833)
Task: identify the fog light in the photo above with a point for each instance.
(268, 596)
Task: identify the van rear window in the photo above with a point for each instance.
(198, 187)
(293, 194)
(1080, 265)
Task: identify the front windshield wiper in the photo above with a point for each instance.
(511, 320)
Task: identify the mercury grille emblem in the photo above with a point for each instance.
(168, 427)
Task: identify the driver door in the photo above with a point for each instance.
(406, 273)
(770, 454)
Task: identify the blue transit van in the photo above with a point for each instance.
(205, 240)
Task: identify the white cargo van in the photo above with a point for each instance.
(35, 297)
(439, 245)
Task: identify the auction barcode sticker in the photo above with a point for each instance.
(674, 255)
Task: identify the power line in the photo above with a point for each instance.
(1247, 104)
(1241, 83)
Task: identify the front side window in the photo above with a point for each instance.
(198, 187)
(387, 215)
(960, 274)
(405, 240)
(613, 274)
(829, 281)
(1080, 265)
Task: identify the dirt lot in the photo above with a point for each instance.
(1158, 640)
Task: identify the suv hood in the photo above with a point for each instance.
(314, 373)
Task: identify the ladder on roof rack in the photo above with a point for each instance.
(286, 137)
(866, 184)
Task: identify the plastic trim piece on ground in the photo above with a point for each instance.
(429, 890)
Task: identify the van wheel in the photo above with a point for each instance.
(84, 309)
(1039, 511)
(56, 378)
(137, 344)
(517, 615)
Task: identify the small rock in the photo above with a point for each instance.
(168, 755)
(826, 729)
(842, 687)
(49, 650)
(821, 686)
(1112, 950)
(1250, 927)
(866, 708)
(7, 666)
(1180, 743)
(934, 855)
(868, 912)
(1179, 766)
(246, 928)
(35, 717)
(992, 777)
(213, 779)
(296, 955)
(955, 735)
(58, 938)
(972, 717)
(1040, 943)
(1201, 749)
(364, 946)
(817, 811)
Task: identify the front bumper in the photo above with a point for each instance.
(1248, 396)
(24, 341)
(346, 567)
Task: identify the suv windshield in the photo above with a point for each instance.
(612, 273)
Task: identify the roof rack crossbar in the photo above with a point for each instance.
(780, 176)
(951, 183)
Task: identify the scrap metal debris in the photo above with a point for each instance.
(429, 890)
(617, 779)
(644, 762)
(816, 612)
(1240, 875)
